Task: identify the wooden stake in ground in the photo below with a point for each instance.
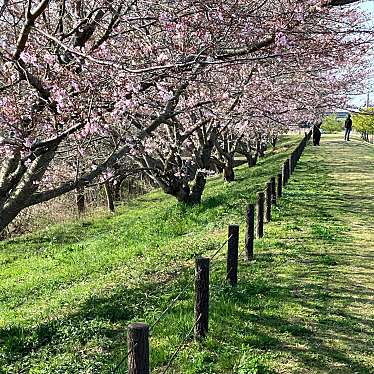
(250, 232)
(290, 167)
(280, 185)
(285, 172)
(268, 202)
(201, 297)
(273, 191)
(260, 214)
(138, 348)
(232, 255)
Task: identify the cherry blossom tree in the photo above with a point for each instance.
(87, 84)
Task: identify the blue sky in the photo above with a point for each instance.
(368, 5)
(360, 100)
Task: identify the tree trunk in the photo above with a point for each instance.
(274, 141)
(251, 160)
(80, 199)
(261, 148)
(198, 188)
(109, 196)
(16, 193)
(228, 172)
(219, 165)
(7, 216)
(117, 189)
(182, 194)
(185, 194)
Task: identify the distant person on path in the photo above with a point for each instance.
(348, 127)
(316, 134)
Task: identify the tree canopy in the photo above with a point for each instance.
(90, 88)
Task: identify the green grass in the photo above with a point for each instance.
(305, 304)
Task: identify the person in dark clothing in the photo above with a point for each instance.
(316, 134)
(348, 127)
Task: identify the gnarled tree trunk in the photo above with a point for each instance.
(80, 200)
(228, 171)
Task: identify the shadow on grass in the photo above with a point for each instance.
(289, 303)
(97, 320)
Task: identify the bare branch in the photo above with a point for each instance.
(31, 17)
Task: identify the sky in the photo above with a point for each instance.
(360, 100)
(368, 5)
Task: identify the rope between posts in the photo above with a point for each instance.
(220, 248)
(214, 264)
(124, 358)
(174, 301)
(174, 355)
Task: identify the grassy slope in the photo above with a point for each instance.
(304, 306)
(68, 292)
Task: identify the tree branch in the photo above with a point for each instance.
(341, 2)
(31, 17)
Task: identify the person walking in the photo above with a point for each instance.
(348, 127)
(316, 134)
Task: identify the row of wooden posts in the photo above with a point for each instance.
(138, 333)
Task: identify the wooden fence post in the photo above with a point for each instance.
(294, 160)
(250, 232)
(302, 145)
(138, 348)
(260, 214)
(299, 151)
(280, 185)
(273, 191)
(201, 297)
(268, 202)
(232, 255)
(285, 173)
(291, 162)
(290, 167)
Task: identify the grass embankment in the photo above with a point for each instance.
(304, 305)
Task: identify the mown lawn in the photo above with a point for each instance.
(305, 305)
